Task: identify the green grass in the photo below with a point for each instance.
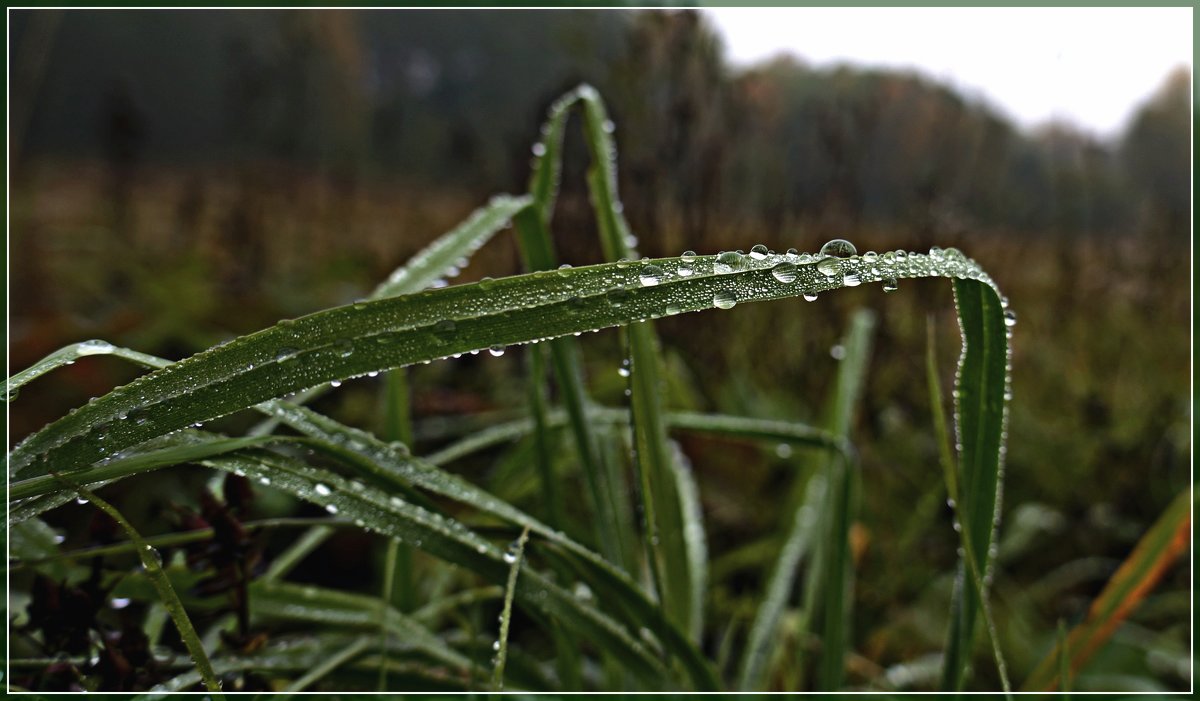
(622, 598)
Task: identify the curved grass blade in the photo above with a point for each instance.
(515, 554)
(1153, 555)
(843, 484)
(344, 342)
(970, 561)
(444, 538)
(433, 263)
(67, 355)
(284, 600)
(679, 585)
(981, 414)
(152, 563)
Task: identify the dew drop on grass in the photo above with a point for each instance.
(838, 352)
(344, 348)
(851, 280)
(322, 489)
(688, 256)
(496, 645)
(784, 272)
(1010, 318)
(331, 508)
(286, 353)
(335, 384)
(510, 556)
(539, 149)
(838, 248)
(650, 275)
(829, 267)
(870, 256)
(759, 252)
(496, 351)
(724, 300)
(890, 284)
(729, 262)
(445, 329)
(94, 348)
(810, 296)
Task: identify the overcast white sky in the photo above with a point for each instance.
(1090, 66)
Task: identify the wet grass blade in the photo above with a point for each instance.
(516, 553)
(970, 570)
(1165, 542)
(152, 563)
(981, 416)
(843, 485)
(679, 585)
(326, 667)
(434, 263)
(345, 342)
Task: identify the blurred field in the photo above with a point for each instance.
(170, 257)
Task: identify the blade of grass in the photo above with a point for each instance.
(970, 561)
(1151, 558)
(326, 667)
(981, 416)
(837, 589)
(283, 600)
(152, 563)
(516, 553)
(446, 539)
(679, 589)
(371, 336)
(759, 643)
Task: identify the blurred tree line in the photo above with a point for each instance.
(453, 98)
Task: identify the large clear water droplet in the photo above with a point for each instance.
(729, 262)
(724, 299)
(829, 267)
(445, 329)
(688, 256)
(784, 272)
(810, 296)
(890, 284)
(496, 351)
(650, 275)
(851, 280)
(759, 252)
(838, 248)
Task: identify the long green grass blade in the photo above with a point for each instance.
(442, 257)
(152, 564)
(515, 554)
(981, 416)
(326, 667)
(344, 342)
(970, 559)
(837, 589)
(662, 508)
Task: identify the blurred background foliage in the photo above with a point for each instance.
(178, 178)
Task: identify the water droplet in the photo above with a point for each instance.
(838, 248)
(650, 275)
(838, 352)
(829, 267)
(759, 252)
(851, 280)
(608, 126)
(94, 348)
(322, 489)
(617, 297)
(119, 604)
(335, 383)
(783, 450)
(784, 272)
(344, 348)
(1010, 318)
(331, 508)
(496, 645)
(724, 300)
(792, 252)
(81, 500)
(890, 284)
(286, 353)
(810, 296)
(688, 256)
(264, 480)
(496, 351)
(539, 149)
(870, 256)
(729, 262)
(445, 330)
(510, 557)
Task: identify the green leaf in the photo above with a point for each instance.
(981, 416)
